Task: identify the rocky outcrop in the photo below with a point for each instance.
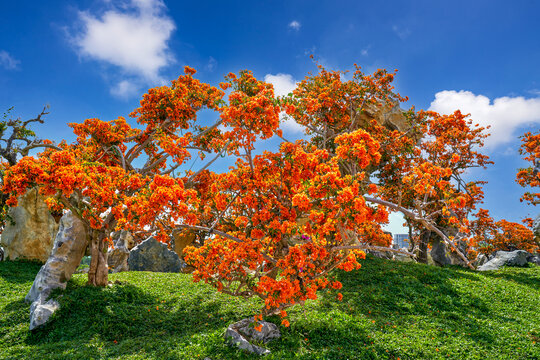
(438, 253)
(387, 255)
(31, 236)
(389, 115)
(41, 311)
(506, 258)
(535, 259)
(481, 259)
(152, 255)
(123, 239)
(117, 258)
(69, 247)
(242, 333)
(403, 257)
(180, 240)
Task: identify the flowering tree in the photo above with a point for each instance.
(530, 149)
(98, 179)
(16, 140)
(283, 220)
(276, 224)
(489, 236)
(421, 166)
(428, 178)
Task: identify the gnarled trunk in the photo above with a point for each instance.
(98, 274)
(423, 242)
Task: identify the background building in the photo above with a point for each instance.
(401, 241)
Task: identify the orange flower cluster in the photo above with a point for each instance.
(530, 176)
(358, 146)
(252, 110)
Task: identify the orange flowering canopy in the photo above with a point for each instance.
(416, 169)
(276, 224)
(115, 176)
(428, 176)
(285, 220)
(490, 236)
(530, 149)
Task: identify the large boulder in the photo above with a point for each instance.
(389, 115)
(506, 258)
(117, 258)
(31, 236)
(387, 255)
(481, 259)
(152, 255)
(535, 259)
(69, 247)
(455, 258)
(438, 253)
(243, 333)
(123, 239)
(180, 240)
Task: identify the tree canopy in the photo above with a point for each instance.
(275, 224)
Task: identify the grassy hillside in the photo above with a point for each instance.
(389, 310)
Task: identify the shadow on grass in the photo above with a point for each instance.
(144, 319)
(19, 271)
(527, 279)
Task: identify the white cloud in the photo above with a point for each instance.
(364, 52)
(504, 114)
(295, 25)
(125, 89)
(402, 32)
(132, 36)
(283, 85)
(211, 64)
(7, 61)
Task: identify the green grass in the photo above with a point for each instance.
(389, 310)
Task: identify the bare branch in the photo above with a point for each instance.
(209, 163)
(427, 224)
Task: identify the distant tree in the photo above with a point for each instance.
(489, 236)
(530, 176)
(16, 140)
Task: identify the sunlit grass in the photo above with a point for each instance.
(389, 310)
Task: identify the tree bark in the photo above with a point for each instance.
(423, 242)
(98, 274)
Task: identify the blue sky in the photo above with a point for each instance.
(96, 58)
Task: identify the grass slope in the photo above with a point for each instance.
(389, 310)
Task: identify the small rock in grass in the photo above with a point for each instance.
(41, 311)
(243, 332)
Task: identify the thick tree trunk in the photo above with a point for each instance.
(411, 239)
(98, 274)
(423, 242)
